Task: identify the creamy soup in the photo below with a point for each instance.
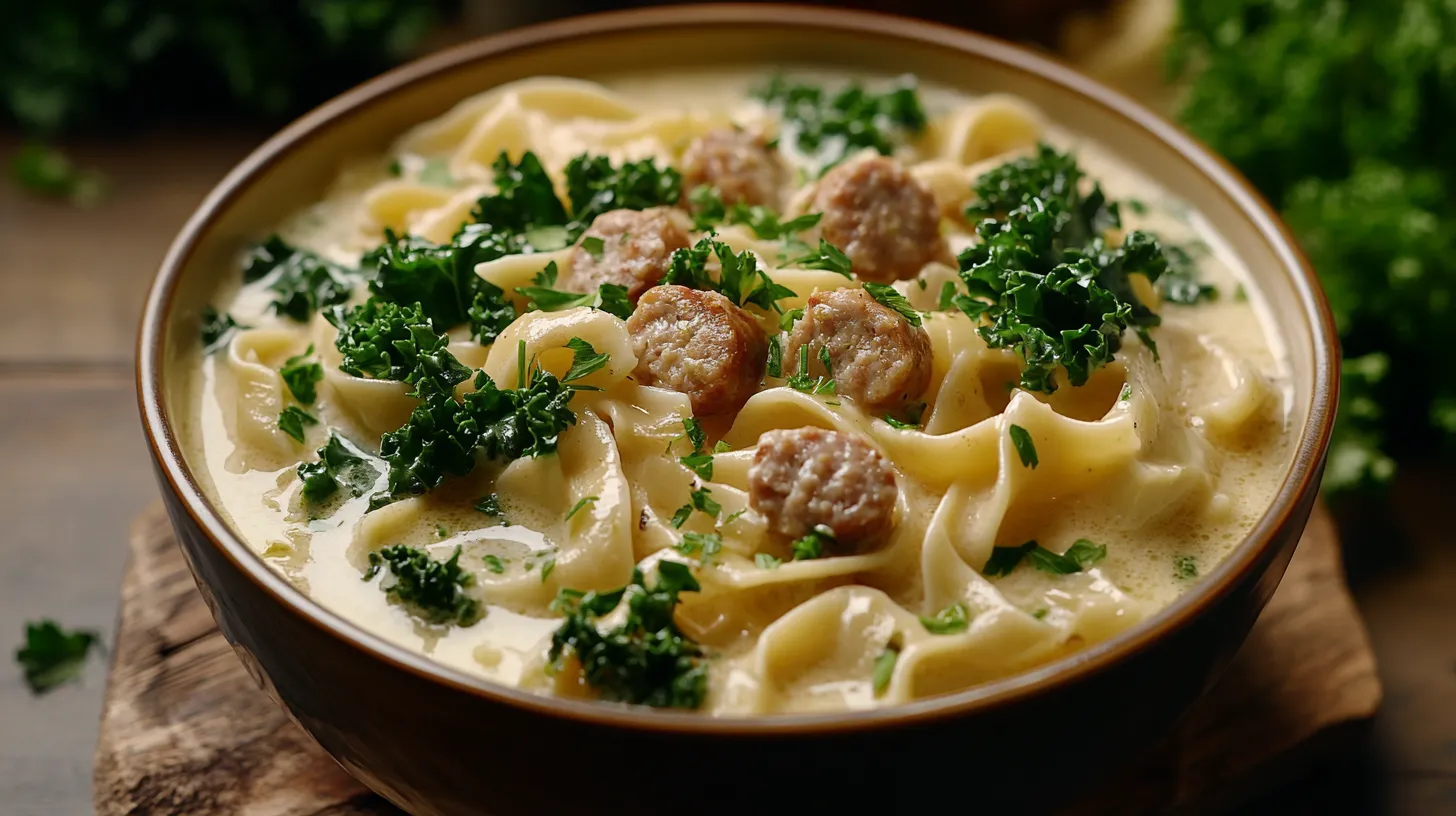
(741, 394)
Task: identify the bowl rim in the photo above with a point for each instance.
(1232, 572)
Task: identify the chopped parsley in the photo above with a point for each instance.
(302, 282)
(709, 211)
(540, 296)
(302, 376)
(584, 359)
(740, 278)
(947, 296)
(701, 499)
(766, 561)
(705, 546)
(292, 422)
(594, 186)
(893, 300)
(646, 659)
(576, 508)
(1025, 447)
(547, 567)
(218, 329)
(490, 506)
(800, 379)
(494, 563)
(826, 256)
(948, 621)
(1185, 567)
(1043, 278)
(439, 280)
(813, 544)
(884, 669)
(826, 127)
(1181, 284)
(593, 245)
(337, 466)
(699, 461)
(775, 365)
(1081, 555)
(433, 590)
(384, 340)
(53, 656)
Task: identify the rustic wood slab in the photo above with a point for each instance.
(186, 731)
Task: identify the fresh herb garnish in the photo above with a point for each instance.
(947, 296)
(884, 669)
(302, 282)
(1185, 567)
(699, 461)
(645, 659)
(801, 381)
(948, 621)
(775, 365)
(890, 298)
(436, 172)
(828, 127)
(584, 359)
(53, 656)
(766, 561)
(1081, 555)
(593, 245)
(709, 211)
(440, 281)
(387, 341)
(1043, 276)
(337, 466)
(494, 563)
(490, 505)
(1180, 283)
(813, 544)
(302, 375)
(292, 421)
(218, 329)
(609, 297)
(434, 590)
(1025, 447)
(594, 186)
(705, 546)
(701, 499)
(576, 508)
(547, 567)
(740, 278)
(826, 256)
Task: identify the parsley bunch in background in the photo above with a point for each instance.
(73, 65)
(1338, 112)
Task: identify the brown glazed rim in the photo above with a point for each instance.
(1042, 680)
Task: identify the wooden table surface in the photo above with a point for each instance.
(74, 471)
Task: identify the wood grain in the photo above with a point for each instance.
(186, 731)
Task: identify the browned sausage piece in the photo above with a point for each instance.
(735, 163)
(876, 357)
(634, 250)
(881, 217)
(698, 343)
(805, 477)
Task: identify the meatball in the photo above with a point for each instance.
(700, 344)
(885, 220)
(876, 357)
(806, 477)
(736, 163)
(634, 250)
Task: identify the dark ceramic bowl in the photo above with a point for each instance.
(438, 741)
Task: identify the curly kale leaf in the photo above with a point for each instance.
(644, 660)
(217, 329)
(826, 127)
(441, 279)
(338, 465)
(594, 186)
(1052, 177)
(740, 279)
(524, 200)
(434, 590)
(302, 282)
(386, 341)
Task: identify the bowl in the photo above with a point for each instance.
(437, 741)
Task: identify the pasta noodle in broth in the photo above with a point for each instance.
(948, 463)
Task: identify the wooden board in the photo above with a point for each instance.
(186, 731)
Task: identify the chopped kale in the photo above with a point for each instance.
(609, 297)
(433, 590)
(1180, 283)
(302, 282)
(1081, 555)
(705, 546)
(218, 329)
(594, 186)
(646, 659)
(387, 341)
(337, 466)
(813, 544)
(440, 280)
(53, 656)
(828, 127)
(740, 280)
(709, 211)
(292, 421)
(302, 376)
(891, 299)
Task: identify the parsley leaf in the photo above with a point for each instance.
(593, 245)
(302, 375)
(701, 499)
(893, 300)
(301, 281)
(740, 279)
(827, 256)
(1078, 557)
(435, 590)
(594, 186)
(1085, 553)
(52, 656)
(1025, 447)
(948, 621)
(814, 543)
(704, 545)
(884, 669)
(709, 211)
(440, 279)
(645, 659)
(800, 380)
(828, 127)
(494, 563)
(337, 466)
(699, 461)
(292, 420)
(490, 505)
(218, 329)
(766, 561)
(609, 297)
(584, 359)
